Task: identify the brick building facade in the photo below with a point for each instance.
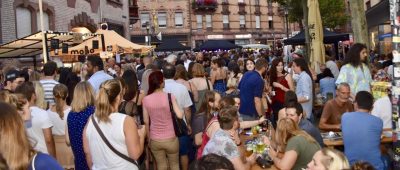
(194, 21)
(170, 17)
(19, 18)
(239, 21)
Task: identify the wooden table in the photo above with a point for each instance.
(339, 142)
(242, 149)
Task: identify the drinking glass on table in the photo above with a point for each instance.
(249, 150)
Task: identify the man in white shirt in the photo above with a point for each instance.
(383, 109)
(40, 132)
(332, 66)
(186, 61)
(95, 69)
(184, 101)
(48, 81)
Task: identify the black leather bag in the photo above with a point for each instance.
(179, 124)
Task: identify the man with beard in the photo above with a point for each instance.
(95, 70)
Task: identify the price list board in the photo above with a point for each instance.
(395, 23)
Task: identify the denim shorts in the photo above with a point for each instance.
(184, 144)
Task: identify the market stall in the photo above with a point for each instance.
(107, 43)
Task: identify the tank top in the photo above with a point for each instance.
(279, 93)
(102, 156)
(205, 138)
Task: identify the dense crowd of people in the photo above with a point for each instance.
(108, 115)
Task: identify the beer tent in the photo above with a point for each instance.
(112, 42)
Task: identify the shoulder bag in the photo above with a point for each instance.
(127, 158)
(180, 127)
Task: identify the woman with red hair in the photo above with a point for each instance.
(163, 142)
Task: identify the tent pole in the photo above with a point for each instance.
(46, 47)
(44, 36)
(34, 63)
(103, 44)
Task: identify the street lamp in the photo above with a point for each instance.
(287, 21)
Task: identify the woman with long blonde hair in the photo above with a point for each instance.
(58, 114)
(39, 92)
(328, 159)
(82, 107)
(119, 130)
(298, 146)
(15, 148)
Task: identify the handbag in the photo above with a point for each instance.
(121, 155)
(180, 127)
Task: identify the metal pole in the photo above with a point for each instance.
(44, 40)
(190, 24)
(287, 24)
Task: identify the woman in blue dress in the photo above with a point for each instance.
(82, 107)
(218, 76)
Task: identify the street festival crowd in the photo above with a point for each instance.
(191, 110)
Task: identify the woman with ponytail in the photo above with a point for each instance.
(58, 114)
(119, 130)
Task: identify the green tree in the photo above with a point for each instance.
(359, 22)
(332, 12)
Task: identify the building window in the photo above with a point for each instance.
(199, 19)
(258, 22)
(242, 21)
(144, 18)
(162, 20)
(257, 2)
(179, 19)
(208, 21)
(225, 21)
(270, 22)
(46, 21)
(24, 22)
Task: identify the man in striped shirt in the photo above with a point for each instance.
(48, 81)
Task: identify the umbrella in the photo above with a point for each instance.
(317, 53)
(212, 45)
(329, 37)
(171, 45)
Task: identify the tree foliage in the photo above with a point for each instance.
(333, 12)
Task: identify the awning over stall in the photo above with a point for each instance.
(31, 45)
(112, 42)
(329, 37)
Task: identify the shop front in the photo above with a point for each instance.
(379, 28)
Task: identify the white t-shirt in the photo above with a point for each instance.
(59, 124)
(40, 121)
(383, 109)
(333, 67)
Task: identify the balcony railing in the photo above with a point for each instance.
(204, 5)
(133, 14)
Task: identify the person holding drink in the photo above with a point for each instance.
(298, 146)
(222, 144)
